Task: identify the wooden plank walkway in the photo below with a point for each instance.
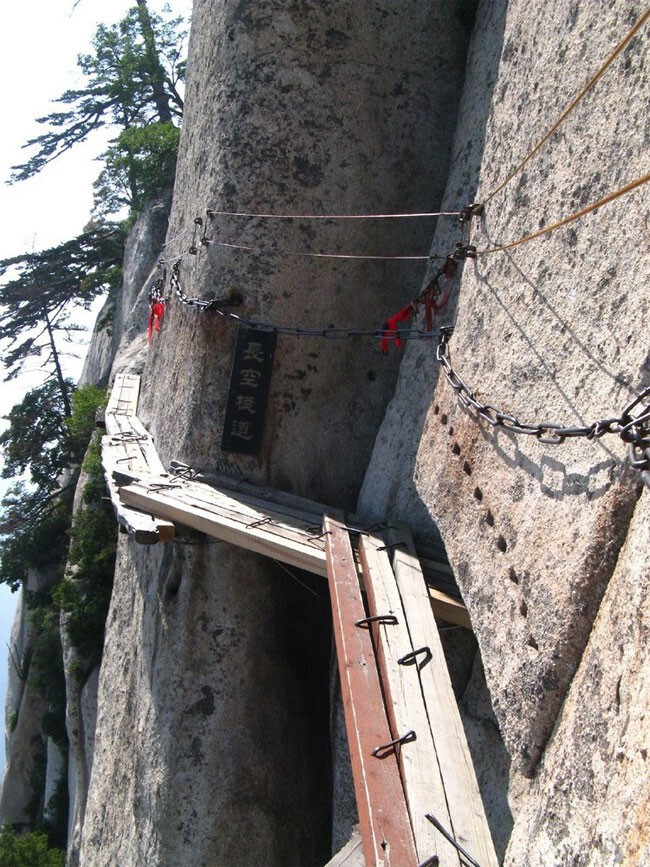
(271, 522)
(409, 752)
(433, 757)
(275, 529)
(128, 449)
(383, 816)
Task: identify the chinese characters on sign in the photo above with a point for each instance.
(250, 381)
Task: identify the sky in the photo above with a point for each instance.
(41, 41)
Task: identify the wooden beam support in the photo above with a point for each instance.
(214, 513)
(383, 817)
(128, 447)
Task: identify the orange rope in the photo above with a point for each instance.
(563, 222)
(608, 62)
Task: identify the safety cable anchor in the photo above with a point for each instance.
(464, 251)
(476, 209)
(234, 300)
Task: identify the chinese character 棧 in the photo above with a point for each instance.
(242, 430)
(246, 404)
(254, 352)
(249, 377)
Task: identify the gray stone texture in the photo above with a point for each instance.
(121, 324)
(589, 802)
(213, 701)
(554, 330)
(26, 745)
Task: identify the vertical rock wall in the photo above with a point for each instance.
(301, 108)
(213, 695)
(550, 331)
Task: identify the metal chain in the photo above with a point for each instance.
(633, 429)
(331, 332)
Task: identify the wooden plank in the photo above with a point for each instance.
(128, 446)
(124, 395)
(448, 608)
(383, 817)
(248, 510)
(468, 821)
(351, 855)
(228, 505)
(271, 496)
(407, 711)
(175, 504)
(144, 528)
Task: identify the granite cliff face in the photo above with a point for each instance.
(212, 741)
(541, 536)
(216, 693)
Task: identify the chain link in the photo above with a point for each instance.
(633, 425)
(331, 332)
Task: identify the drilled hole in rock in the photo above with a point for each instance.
(173, 586)
(436, 409)
(455, 449)
(450, 431)
(532, 643)
(478, 494)
(523, 609)
(489, 519)
(513, 576)
(502, 545)
(467, 469)
(443, 418)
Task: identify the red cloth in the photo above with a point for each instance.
(390, 326)
(155, 316)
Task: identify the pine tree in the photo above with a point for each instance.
(45, 288)
(132, 80)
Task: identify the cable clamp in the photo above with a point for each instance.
(476, 209)
(464, 251)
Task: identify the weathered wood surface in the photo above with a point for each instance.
(223, 515)
(468, 822)
(383, 817)
(351, 855)
(128, 448)
(407, 711)
(275, 523)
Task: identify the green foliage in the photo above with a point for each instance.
(132, 77)
(33, 533)
(36, 439)
(140, 163)
(46, 287)
(40, 440)
(85, 593)
(46, 672)
(28, 850)
(81, 424)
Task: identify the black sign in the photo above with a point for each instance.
(250, 381)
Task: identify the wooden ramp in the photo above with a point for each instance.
(408, 748)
